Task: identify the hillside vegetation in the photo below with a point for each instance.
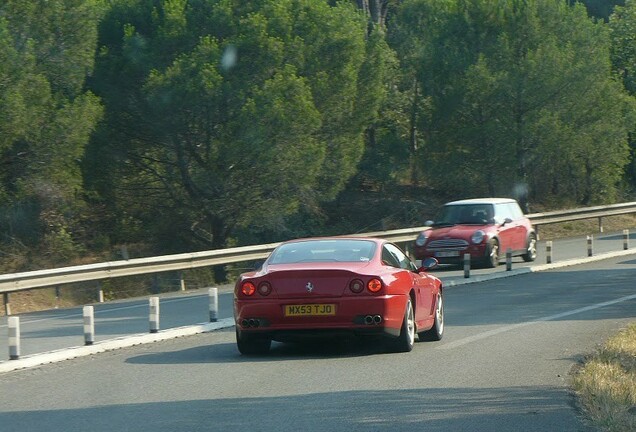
(139, 128)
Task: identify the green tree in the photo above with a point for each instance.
(230, 116)
(601, 9)
(47, 49)
(623, 53)
(521, 93)
(623, 49)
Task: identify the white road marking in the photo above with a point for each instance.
(504, 329)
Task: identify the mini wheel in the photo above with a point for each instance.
(492, 254)
(531, 248)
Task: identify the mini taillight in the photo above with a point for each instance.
(374, 285)
(264, 288)
(356, 286)
(248, 288)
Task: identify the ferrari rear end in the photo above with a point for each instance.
(293, 302)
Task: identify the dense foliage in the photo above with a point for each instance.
(47, 49)
(196, 124)
(516, 93)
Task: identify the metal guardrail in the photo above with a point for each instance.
(54, 277)
(583, 213)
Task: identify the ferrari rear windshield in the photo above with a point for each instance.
(323, 251)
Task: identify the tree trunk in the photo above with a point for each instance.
(376, 10)
(413, 132)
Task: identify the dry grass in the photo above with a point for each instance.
(606, 384)
(34, 300)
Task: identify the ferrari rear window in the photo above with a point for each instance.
(323, 251)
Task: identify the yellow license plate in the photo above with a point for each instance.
(310, 310)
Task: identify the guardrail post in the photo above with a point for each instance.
(58, 294)
(466, 266)
(590, 240)
(7, 304)
(508, 259)
(154, 314)
(625, 239)
(600, 224)
(89, 325)
(548, 252)
(13, 323)
(213, 293)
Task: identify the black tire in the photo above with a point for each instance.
(406, 340)
(531, 248)
(436, 332)
(249, 344)
(491, 259)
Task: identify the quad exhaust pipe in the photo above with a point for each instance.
(372, 319)
(250, 322)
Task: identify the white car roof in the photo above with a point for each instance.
(482, 201)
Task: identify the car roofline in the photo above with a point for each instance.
(482, 201)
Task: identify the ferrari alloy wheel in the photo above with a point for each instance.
(247, 344)
(406, 340)
(531, 249)
(492, 254)
(436, 332)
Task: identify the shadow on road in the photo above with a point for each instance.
(228, 353)
(425, 409)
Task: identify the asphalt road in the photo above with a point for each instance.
(503, 365)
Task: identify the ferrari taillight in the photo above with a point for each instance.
(374, 285)
(248, 288)
(356, 286)
(264, 288)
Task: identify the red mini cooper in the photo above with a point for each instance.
(484, 228)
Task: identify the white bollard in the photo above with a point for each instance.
(590, 240)
(508, 259)
(100, 292)
(13, 323)
(625, 239)
(154, 314)
(548, 252)
(89, 325)
(466, 266)
(182, 281)
(213, 294)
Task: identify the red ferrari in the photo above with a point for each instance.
(338, 286)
